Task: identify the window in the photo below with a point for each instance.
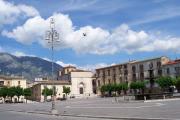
(114, 70)
(159, 72)
(133, 68)
(19, 82)
(108, 72)
(167, 71)
(114, 78)
(109, 81)
(151, 65)
(97, 73)
(103, 73)
(81, 91)
(125, 66)
(141, 67)
(99, 83)
(120, 79)
(158, 64)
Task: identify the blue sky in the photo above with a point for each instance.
(117, 30)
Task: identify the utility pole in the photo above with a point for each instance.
(52, 37)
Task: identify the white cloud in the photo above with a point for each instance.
(65, 64)
(9, 12)
(89, 67)
(98, 40)
(21, 54)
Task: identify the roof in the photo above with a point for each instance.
(51, 82)
(69, 66)
(131, 62)
(173, 62)
(145, 60)
(111, 66)
(78, 70)
(11, 77)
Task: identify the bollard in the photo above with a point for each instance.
(144, 98)
(164, 97)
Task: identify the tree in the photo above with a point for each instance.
(47, 92)
(177, 83)
(109, 88)
(124, 87)
(18, 91)
(66, 90)
(103, 89)
(140, 85)
(11, 92)
(27, 92)
(4, 92)
(164, 82)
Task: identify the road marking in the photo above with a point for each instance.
(144, 106)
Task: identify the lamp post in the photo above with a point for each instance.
(52, 37)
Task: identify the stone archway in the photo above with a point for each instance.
(81, 88)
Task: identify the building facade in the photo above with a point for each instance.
(81, 81)
(113, 74)
(172, 69)
(38, 88)
(13, 81)
(148, 69)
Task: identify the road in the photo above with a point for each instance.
(93, 109)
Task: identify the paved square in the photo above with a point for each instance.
(94, 109)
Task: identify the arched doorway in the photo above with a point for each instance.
(81, 88)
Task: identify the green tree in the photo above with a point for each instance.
(109, 89)
(11, 92)
(47, 92)
(139, 85)
(124, 87)
(66, 90)
(27, 92)
(177, 83)
(18, 91)
(103, 89)
(119, 88)
(164, 82)
(4, 92)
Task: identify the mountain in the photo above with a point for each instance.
(29, 67)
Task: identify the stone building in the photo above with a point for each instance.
(38, 88)
(13, 81)
(81, 81)
(148, 69)
(112, 74)
(172, 69)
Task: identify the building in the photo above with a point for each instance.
(13, 81)
(112, 74)
(172, 69)
(81, 81)
(37, 89)
(148, 69)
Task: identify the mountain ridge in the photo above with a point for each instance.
(30, 67)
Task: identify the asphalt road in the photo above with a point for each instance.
(93, 109)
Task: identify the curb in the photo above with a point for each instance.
(162, 100)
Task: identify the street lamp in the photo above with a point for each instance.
(52, 37)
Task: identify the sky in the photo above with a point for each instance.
(116, 30)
